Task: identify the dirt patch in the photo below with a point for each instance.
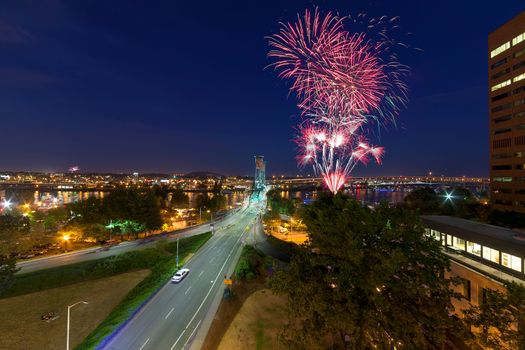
(228, 309)
(20, 317)
(257, 323)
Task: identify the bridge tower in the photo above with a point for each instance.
(260, 173)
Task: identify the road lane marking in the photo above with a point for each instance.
(187, 290)
(200, 274)
(143, 345)
(176, 341)
(211, 260)
(209, 291)
(191, 335)
(169, 313)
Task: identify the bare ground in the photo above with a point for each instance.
(257, 323)
(21, 326)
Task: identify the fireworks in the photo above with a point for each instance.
(343, 81)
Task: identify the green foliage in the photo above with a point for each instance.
(17, 223)
(249, 263)
(134, 209)
(462, 203)
(7, 272)
(279, 205)
(370, 277)
(502, 312)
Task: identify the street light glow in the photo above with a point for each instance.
(6, 204)
(65, 237)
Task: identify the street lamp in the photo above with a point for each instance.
(65, 238)
(68, 319)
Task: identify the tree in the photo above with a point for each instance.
(500, 318)
(179, 199)
(7, 272)
(425, 200)
(365, 279)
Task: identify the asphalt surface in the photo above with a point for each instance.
(171, 319)
(98, 253)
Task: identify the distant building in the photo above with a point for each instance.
(506, 70)
(260, 173)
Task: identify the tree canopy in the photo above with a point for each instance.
(366, 279)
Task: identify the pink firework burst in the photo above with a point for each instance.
(343, 81)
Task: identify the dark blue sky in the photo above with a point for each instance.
(176, 86)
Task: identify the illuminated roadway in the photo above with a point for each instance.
(171, 319)
(98, 253)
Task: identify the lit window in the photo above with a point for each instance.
(518, 39)
(503, 84)
(516, 78)
(511, 261)
(491, 254)
(458, 243)
(474, 248)
(500, 49)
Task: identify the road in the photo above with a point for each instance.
(171, 319)
(97, 253)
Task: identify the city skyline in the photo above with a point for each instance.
(120, 90)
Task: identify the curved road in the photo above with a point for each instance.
(172, 318)
(98, 253)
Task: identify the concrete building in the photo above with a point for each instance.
(484, 256)
(506, 72)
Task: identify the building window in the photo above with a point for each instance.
(502, 179)
(500, 49)
(511, 261)
(500, 96)
(502, 202)
(518, 66)
(491, 254)
(501, 131)
(515, 79)
(458, 243)
(449, 240)
(502, 107)
(519, 154)
(501, 85)
(518, 90)
(502, 61)
(502, 119)
(466, 289)
(518, 39)
(519, 115)
(519, 166)
(516, 55)
(482, 296)
(435, 234)
(502, 167)
(502, 156)
(473, 248)
(519, 102)
(500, 73)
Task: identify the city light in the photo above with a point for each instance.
(6, 204)
(448, 196)
(65, 238)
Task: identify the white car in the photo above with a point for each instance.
(179, 275)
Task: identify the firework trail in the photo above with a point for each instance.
(343, 81)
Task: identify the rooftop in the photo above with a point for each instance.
(495, 237)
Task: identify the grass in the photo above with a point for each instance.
(20, 317)
(84, 271)
(161, 272)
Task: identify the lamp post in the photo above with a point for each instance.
(177, 259)
(66, 239)
(68, 318)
